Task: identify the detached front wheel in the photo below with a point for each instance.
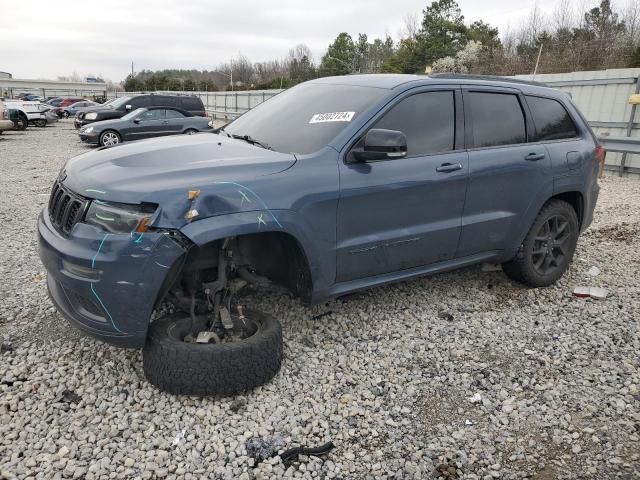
(245, 358)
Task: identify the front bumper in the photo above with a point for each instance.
(89, 137)
(81, 122)
(107, 285)
(6, 125)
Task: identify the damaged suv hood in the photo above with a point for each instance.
(145, 170)
(162, 171)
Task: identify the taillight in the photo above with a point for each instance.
(600, 154)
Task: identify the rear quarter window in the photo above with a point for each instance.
(551, 119)
(191, 103)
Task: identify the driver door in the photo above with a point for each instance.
(150, 123)
(404, 213)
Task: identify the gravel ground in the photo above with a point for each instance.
(460, 375)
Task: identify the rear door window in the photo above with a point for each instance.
(551, 119)
(427, 119)
(143, 101)
(173, 114)
(191, 103)
(497, 119)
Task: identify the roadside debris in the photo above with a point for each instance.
(594, 271)
(592, 292)
(291, 455)
(179, 436)
(445, 316)
(5, 347)
(262, 448)
(70, 396)
(323, 314)
(477, 398)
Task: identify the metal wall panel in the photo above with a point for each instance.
(603, 97)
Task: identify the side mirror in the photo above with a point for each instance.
(136, 120)
(381, 144)
(128, 108)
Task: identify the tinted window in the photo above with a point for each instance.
(497, 119)
(165, 101)
(191, 103)
(173, 114)
(307, 117)
(140, 102)
(152, 115)
(551, 119)
(427, 119)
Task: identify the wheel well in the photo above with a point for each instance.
(275, 255)
(575, 200)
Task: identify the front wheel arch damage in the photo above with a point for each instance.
(274, 256)
(202, 287)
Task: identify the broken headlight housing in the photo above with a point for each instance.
(119, 217)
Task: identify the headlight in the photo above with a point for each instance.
(118, 217)
(87, 130)
(91, 116)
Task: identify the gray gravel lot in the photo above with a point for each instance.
(460, 375)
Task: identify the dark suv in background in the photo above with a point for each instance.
(123, 105)
(333, 186)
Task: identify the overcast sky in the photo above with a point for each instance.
(45, 39)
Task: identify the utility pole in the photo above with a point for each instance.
(231, 76)
(535, 70)
(132, 69)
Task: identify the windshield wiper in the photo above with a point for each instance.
(251, 140)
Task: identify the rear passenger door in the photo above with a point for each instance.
(556, 130)
(174, 121)
(507, 175)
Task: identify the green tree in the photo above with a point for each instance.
(443, 33)
(340, 57)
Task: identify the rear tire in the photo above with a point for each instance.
(548, 248)
(65, 114)
(178, 367)
(40, 122)
(190, 131)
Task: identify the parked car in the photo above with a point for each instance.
(143, 123)
(67, 101)
(123, 105)
(54, 102)
(5, 121)
(29, 97)
(28, 113)
(333, 186)
(71, 110)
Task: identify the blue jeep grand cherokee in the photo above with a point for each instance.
(335, 185)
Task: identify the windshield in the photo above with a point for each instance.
(133, 114)
(119, 101)
(305, 118)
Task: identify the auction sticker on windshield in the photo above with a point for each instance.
(332, 117)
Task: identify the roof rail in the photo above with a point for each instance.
(493, 78)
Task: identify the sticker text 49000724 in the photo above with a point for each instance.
(332, 117)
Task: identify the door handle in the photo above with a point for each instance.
(532, 157)
(449, 167)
